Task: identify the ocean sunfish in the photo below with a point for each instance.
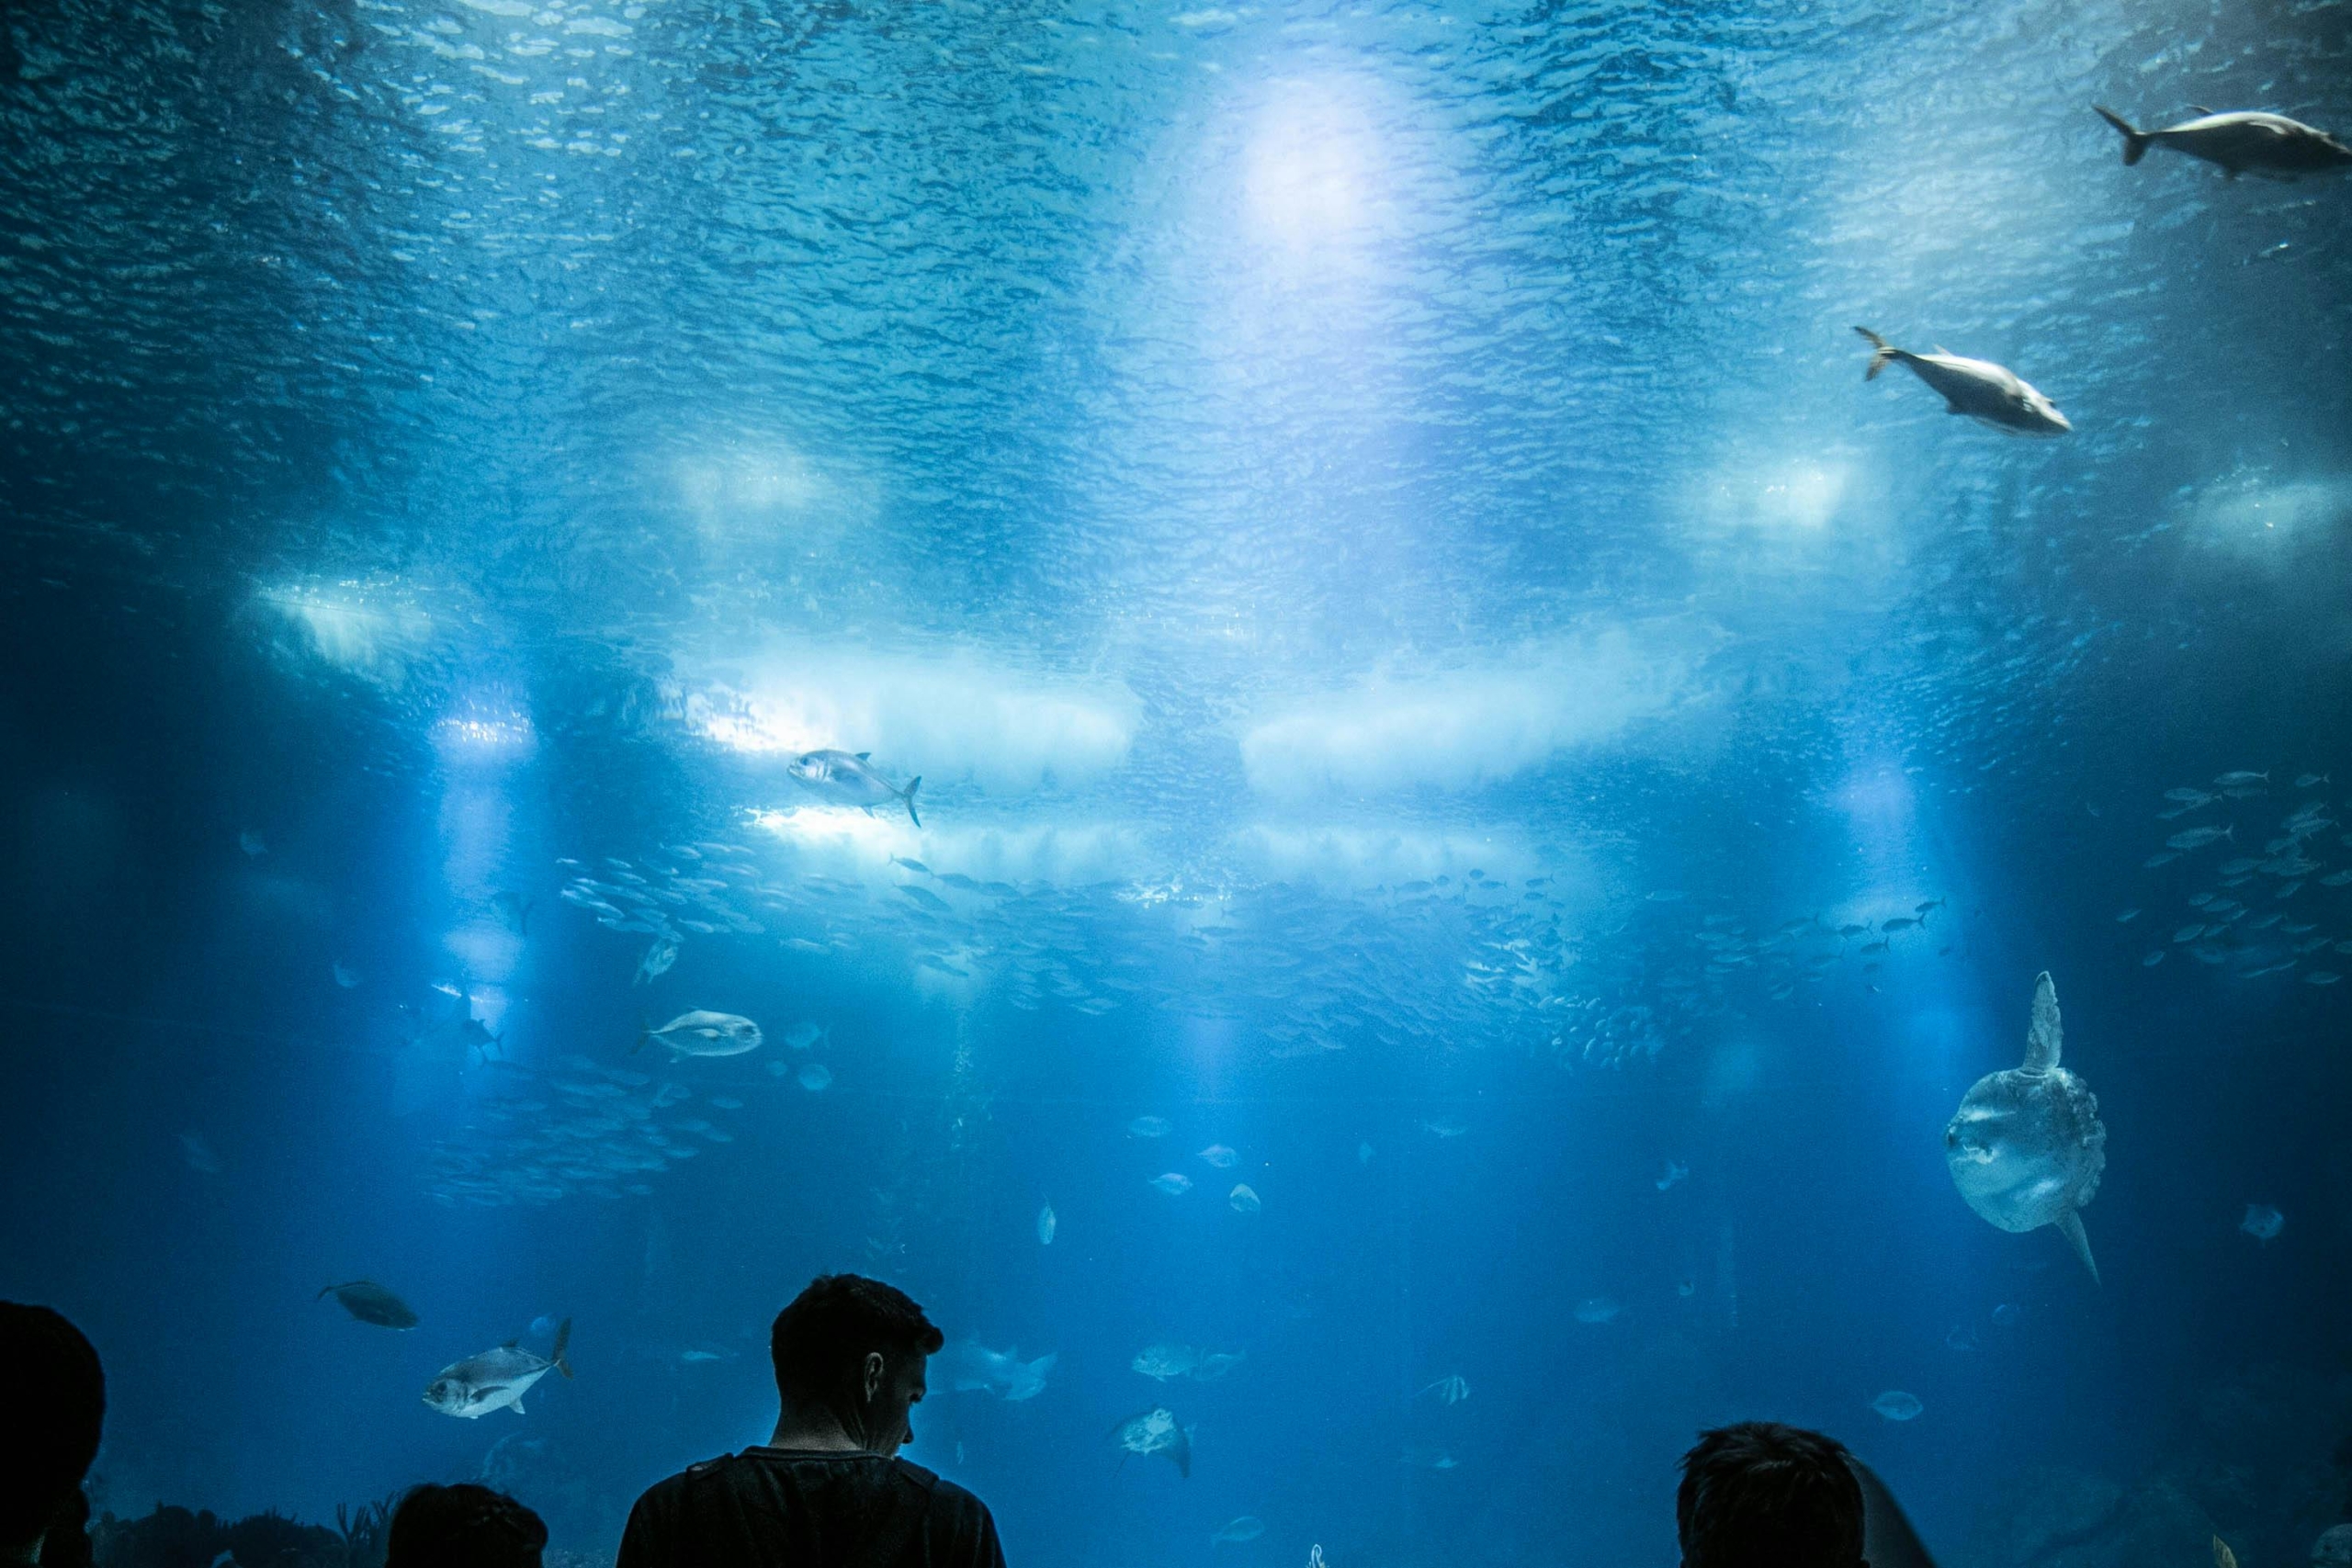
(1988, 393)
(2242, 142)
(2027, 1147)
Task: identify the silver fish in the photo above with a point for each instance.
(700, 1033)
(479, 1384)
(847, 779)
(1985, 392)
(657, 960)
(2241, 142)
(1155, 1431)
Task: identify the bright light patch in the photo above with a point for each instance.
(343, 627)
(485, 731)
(940, 718)
(1309, 165)
(844, 841)
(2252, 513)
(1466, 727)
(1799, 497)
(774, 478)
(1359, 858)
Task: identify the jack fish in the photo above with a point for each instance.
(850, 780)
(479, 1384)
(1988, 393)
(700, 1033)
(2242, 142)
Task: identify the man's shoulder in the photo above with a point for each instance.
(665, 1492)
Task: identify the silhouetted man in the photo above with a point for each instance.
(52, 1401)
(1763, 1495)
(828, 1491)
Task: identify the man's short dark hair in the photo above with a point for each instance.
(463, 1525)
(1763, 1495)
(820, 1343)
(55, 1403)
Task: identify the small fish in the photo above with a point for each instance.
(1047, 1225)
(1244, 1201)
(198, 1154)
(815, 1077)
(1215, 1364)
(2152, 957)
(2127, 916)
(1364, 1154)
(2313, 781)
(1430, 1459)
(1900, 923)
(1248, 1527)
(1960, 1339)
(973, 1368)
(2262, 1222)
(2321, 977)
(1150, 1127)
(847, 779)
(2198, 838)
(2241, 778)
(1220, 1156)
(700, 1033)
(1988, 393)
(1897, 1405)
(370, 1302)
(2242, 142)
(657, 960)
(2191, 799)
(345, 976)
(1157, 1431)
(253, 843)
(479, 1384)
(803, 1035)
(1598, 1310)
(2008, 1315)
(1675, 1171)
(1686, 1289)
(1175, 1183)
(1445, 1129)
(1163, 1361)
(1451, 1390)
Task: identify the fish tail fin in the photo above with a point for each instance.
(2135, 140)
(644, 1033)
(915, 785)
(563, 1343)
(2230, 832)
(1882, 353)
(2070, 1225)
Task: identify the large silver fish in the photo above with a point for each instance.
(1155, 1431)
(700, 1033)
(2242, 142)
(2027, 1147)
(479, 1384)
(1988, 393)
(974, 1368)
(847, 779)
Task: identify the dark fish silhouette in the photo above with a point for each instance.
(2243, 143)
(370, 1302)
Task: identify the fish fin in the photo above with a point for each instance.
(2222, 1556)
(864, 756)
(510, 1345)
(563, 1339)
(328, 1292)
(516, 1406)
(2201, 109)
(909, 796)
(644, 1033)
(2044, 1038)
(2135, 140)
(2070, 1225)
(1881, 356)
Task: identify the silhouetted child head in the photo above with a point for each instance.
(52, 1400)
(463, 1526)
(1763, 1495)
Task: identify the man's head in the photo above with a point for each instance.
(49, 1420)
(463, 1526)
(1763, 1495)
(854, 1347)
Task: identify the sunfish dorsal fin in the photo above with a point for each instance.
(2070, 1225)
(865, 756)
(2042, 1039)
(510, 1345)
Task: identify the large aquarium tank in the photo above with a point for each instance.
(1263, 695)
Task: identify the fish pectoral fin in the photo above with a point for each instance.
(2070, 1225)
(516, 1406)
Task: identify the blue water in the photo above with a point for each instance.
(1367, 522)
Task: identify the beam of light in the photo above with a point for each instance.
(2255, 514)
(485, 729)
(366, 629)
(1798, 496)
(1309, 165)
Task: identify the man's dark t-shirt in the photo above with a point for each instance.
(786, 1508)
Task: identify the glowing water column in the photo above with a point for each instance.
(484, 745)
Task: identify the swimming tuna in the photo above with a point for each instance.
(479, 1384)
(2027, 1147)
(2241, 142)
(700, 1033)
(846, 780)
(1988, 393)
(370, 1302)
(1155, 1431)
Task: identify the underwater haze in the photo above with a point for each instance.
(1440, 824)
